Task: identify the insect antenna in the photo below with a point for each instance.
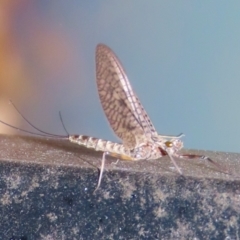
(41, 132)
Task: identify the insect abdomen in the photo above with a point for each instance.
(97, 144)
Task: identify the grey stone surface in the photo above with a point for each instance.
(46, 192)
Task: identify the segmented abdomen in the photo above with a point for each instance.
(99, 144)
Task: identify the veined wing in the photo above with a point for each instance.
(124, 112)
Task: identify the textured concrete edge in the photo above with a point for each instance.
(51, 183)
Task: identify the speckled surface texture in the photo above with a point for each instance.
(46, 192)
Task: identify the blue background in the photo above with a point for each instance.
(182, 59)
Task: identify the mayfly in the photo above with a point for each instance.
(128, 119)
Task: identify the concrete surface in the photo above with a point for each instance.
(46, 192)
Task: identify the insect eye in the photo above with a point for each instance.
(168, 144)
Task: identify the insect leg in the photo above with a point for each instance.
(101, 171)
(172, 136)
(203, 157)
(174, 163)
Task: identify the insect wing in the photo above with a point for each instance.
(124, 112)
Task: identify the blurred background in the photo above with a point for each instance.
(182, 59)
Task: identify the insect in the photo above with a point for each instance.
(128, 119)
